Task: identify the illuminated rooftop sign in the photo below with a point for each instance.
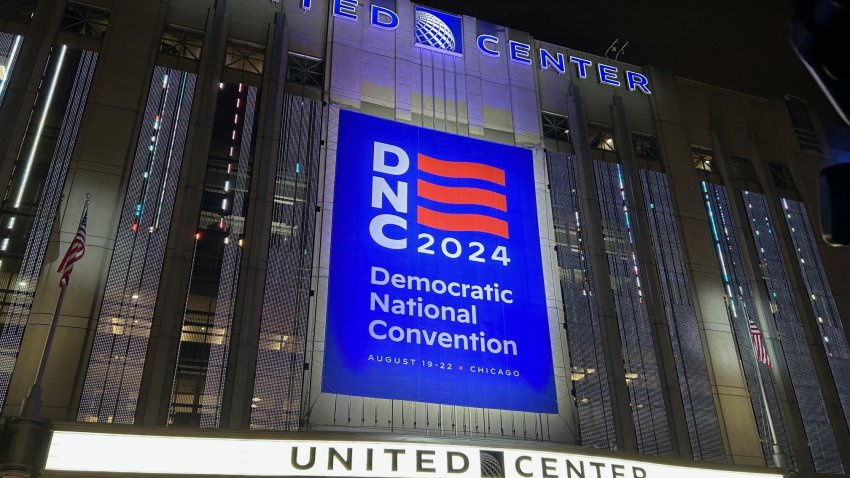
(443, 32)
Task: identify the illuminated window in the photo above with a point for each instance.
(703, 159)
(244, 56)
(181, 42)
(85, 20)
(305, 70)
(556, 127)
(601, 137)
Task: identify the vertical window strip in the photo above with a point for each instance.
(114, 372)
(588, 372)
(276, 402)
(738, 297)
(694, 383)
(832, 333)
(794, 345)
(642, 375)
(10, 48)
(197, 386)
(34, 193)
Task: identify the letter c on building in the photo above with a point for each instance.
(483, 40)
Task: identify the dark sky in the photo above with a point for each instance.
(737, 44)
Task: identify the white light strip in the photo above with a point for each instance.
(124, 453)
(40, 128)
(10, 65)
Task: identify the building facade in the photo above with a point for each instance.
(659, 223)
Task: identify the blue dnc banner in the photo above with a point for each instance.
(436, 284)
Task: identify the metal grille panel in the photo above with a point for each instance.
(682, 323)
(34, 193)
(642, 375)
(589, 372)
(286, 298)
(115, 367)
(820, 299)
(10, 47)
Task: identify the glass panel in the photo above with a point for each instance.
(10, 48)
(118, 355)
(821, 300)
(589, 373)
(794, 345)
(642, 375)
(739, 302)
(34, 192)
(682, 323)
(198, 385)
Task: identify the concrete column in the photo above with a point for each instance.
(155, 389)
(677, 422)
(609, 329)
(26, 76)
(242, 359)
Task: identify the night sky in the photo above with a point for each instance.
(740, 45)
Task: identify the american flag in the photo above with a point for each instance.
(75, 251)
(758, 344)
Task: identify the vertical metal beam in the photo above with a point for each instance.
(623, 422)
(677, 422)
(160, 361)
(242, 359)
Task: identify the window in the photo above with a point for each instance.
(646, 147)
(807, 137)
(742, 168)
(601, 137)
(703, 159)
(556, 127)
(181, 42)
(85, 20)
(245, 56)
(781, 176)
(305, 70)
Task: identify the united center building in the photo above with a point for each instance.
(378, 239)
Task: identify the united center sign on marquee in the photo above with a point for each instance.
(436, 284)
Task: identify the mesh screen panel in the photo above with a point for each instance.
(115, 367)
(795, 347)
(642, 375)
(682, 323)
(10, 48)
(286, 298)
(820, 299)
(34, 193)
(198, 385)
(739, 296)
(588, 369)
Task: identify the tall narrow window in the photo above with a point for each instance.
(115, 367)
(286, 298)
(642, 375)
(33, 194)
(694, 385)
(740, 308)
(795, 346)
(208, 315)
(821, 300)
(589, 373)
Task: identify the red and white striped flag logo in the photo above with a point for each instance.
(758, 344)
(75, 251)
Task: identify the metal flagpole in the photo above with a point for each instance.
(27, 429)
(779, 460)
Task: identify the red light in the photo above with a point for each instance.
(134, 227)
(198, 236)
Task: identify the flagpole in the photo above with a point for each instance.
(779, 460)
(31, 406)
